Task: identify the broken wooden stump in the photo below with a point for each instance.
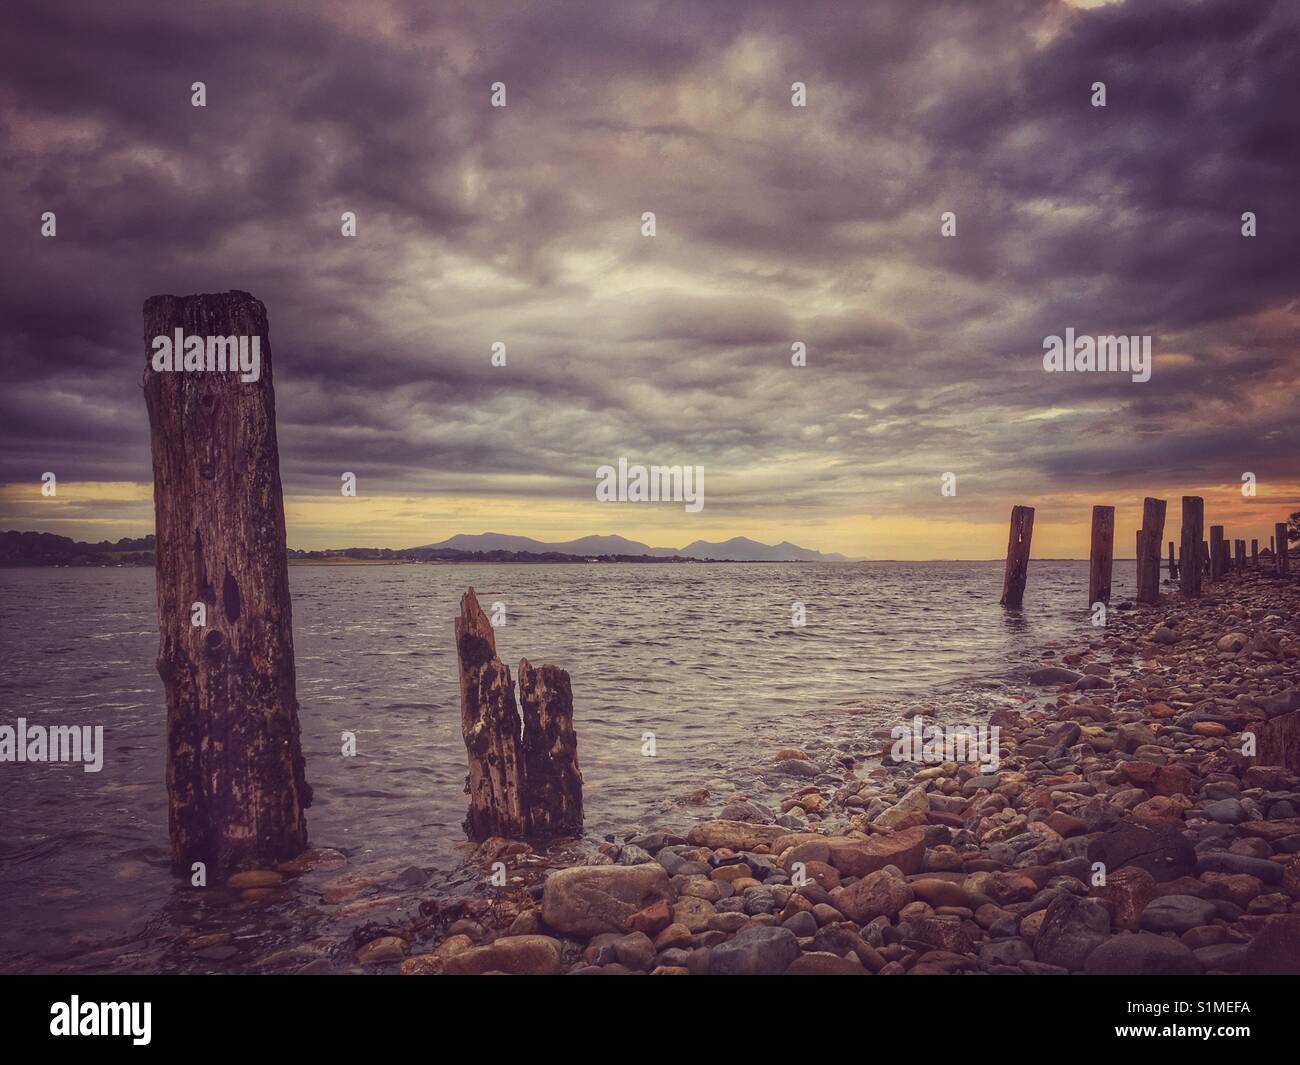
(489, 723)
(1153, 534)
(236, 778)
(1101, 555)
(524, 781)
(1017, 568)
(552, 779)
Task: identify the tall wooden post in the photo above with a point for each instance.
(490, 725)
(1254, 553)
(1017, 569)
(1173, 566)
(1279, 533)
(1216, 552)
(1153, 535)
(236, 778)
(1240, 548)
(1101, 556)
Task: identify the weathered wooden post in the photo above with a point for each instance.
(552, 780)
(236, 778)
(524, 781)
(1153, 534)
(1101, 556)
(1240, 547)
(1173, 566)
(1139, 554)
(1017, 569)
(1254, 553)
(1205, 559)
(490, 725)
(1216, 552)
(1279, 533)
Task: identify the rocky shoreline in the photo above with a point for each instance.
(1123, 832)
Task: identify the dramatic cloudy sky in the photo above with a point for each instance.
(775, 224)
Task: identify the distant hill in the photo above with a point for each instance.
(737, 549)
(48, 549)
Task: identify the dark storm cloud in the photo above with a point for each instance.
(775, 225)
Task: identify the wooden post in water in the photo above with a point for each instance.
(1240, 547)
(1194, 524)
(1173, 566)
(1017, 569)
(1216, 552)
(1279, 533)
(236, 778)
(552, 780)
(1153, 535)
(489, 723)
(1101, 555)
(524, 781)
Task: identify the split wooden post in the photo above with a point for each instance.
(1102, 555)
(1153, 534)
(1279, 533)
(1173, 566)
(1017, 569)
(490, 725)
(552, 779)
(236, 777)
(524, 781)
(1216, 552)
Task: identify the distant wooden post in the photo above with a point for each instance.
(1240, 547)
(1173, 566)
(1271, 542)
(1153, 535)
(236, 778)
(1216, 552)
(1102, 555)
(1254, 553)
(552, 780)
(1205, 559)
(490, 725)
(1279, 533)
(1017, 570)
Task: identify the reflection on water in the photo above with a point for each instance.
(705, 657)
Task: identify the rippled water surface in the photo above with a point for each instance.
(703, 656)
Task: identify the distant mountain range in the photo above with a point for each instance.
(737, 549)
(47, 549)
